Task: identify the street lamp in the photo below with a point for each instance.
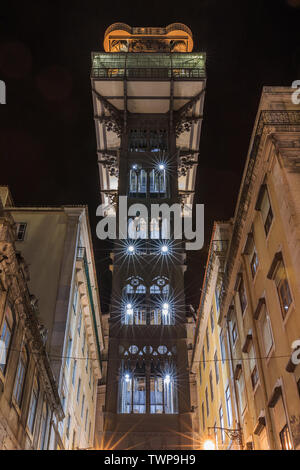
(209, 445)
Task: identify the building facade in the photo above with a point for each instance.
(56, 242)
(259, 287)
(29, 399)
(148, 91)
(213, 391)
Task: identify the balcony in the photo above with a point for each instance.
(148, 66)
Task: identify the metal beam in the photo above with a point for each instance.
(106, 103)
(186, 106)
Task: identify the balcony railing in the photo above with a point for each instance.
(148, 65)
(151, 73)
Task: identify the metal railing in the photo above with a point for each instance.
(150, 73)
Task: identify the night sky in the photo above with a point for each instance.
(47, 133)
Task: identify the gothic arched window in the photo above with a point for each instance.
(147, 381)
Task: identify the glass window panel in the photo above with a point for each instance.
(139, 395)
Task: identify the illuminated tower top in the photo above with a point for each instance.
(176, 37)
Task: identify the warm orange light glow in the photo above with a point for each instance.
(209, 445)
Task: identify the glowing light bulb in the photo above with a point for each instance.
(127, 377)
(130, 249)
(134, 167)
(167, 379)
(164, 249)
(161, 166)
(209, 445)
(129, 309)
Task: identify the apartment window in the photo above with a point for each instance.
(234, 333)
(211, 386)
(241, 393)
(203, 357)
(207, 339)
(90, 376)
(200, 373)
(217, 367)
(283, 288)
(216, 435)
(203, 416)
(285, 438)
(212, 321)
(33, 405)
(254, 377)
(221, 418)
(79, 321)
(21, 230)
(82, 405)
(242, 295)
(228, 406)
(90, 427)
(254, 263)
(20, 376)
(6, 337)
(74, 439)
(83, 342)
(94, 387)
(74, 371)
(222, 347)
(253, 368)
(75, 299)
(63, 401)
(78, 390)
(207, 403)
(68, 425)
(266, 332)
(86, 419)
(264, 206)
(217, 297)
(69, 351)
(44, 426)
